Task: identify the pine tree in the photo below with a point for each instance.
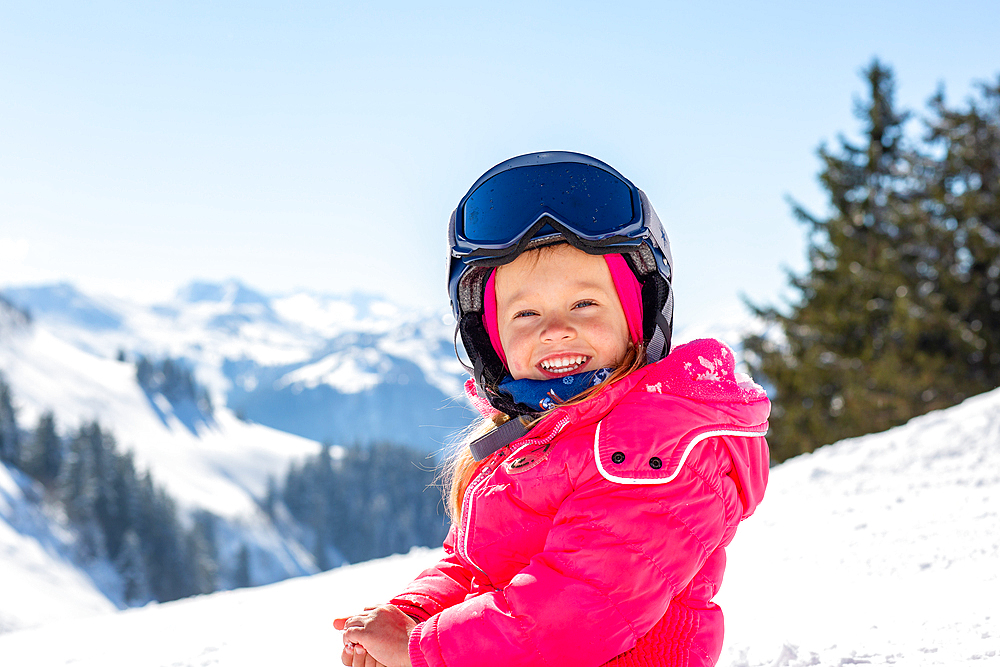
(204, 553)
(874, 337)
(136, 590)
(168, 561)
(241, 579)
(10, 440)
(965, 204)
(43, 457)
(371, 502)
(79, 492)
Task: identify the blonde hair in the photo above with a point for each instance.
(460, 467)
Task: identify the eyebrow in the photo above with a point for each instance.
(581, 284)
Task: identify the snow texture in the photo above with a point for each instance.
(878, 550)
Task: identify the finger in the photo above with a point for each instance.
(360, 657)
(354, 635)
(347, 655)
(339, 623)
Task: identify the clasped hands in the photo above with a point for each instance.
(377, 637)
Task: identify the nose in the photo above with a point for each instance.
(557, 328)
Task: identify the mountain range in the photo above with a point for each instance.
(339, 369)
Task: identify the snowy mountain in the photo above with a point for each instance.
(221, 466)
(877, 550)
(82, 358)
(354, 369)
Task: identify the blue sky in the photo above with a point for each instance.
(323, 145)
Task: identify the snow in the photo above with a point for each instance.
(37, 581)
(350, 372)
(221, 465)
(882, 549)
(50, 374)
(877, 550)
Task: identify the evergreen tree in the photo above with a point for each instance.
(203, 552)
(965, 206)
(78, 489)
(136, 590)
(171, 571)
(10, 440)
(241, 579)
(124, 517)
(271, 496)
(124, 494)
(370, 502)
(44, 456)
(875, 336)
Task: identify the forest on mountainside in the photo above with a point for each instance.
(361, 505)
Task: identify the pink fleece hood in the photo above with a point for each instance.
(629, 294)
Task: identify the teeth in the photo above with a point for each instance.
(563, 364)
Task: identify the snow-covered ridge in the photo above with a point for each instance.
(878, 550)
(221, 466)
(344, 369)
(78, 359)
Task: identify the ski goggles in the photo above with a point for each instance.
(542, 195)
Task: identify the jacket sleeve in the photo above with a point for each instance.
(614, 558)
(436, 588)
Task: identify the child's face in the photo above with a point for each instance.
(558, 313)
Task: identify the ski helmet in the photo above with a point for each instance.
(541, 199)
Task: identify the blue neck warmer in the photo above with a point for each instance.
(549, 393)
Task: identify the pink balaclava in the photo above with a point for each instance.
(629, 293)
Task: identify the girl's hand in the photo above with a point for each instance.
(378, 637)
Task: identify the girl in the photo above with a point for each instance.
(589, 521)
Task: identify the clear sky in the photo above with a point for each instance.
(324, 144)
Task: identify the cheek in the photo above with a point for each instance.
(518, 347)
(518, 354)
(612, 342)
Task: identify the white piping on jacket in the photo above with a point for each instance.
(687, 451)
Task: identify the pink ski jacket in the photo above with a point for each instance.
(598, 538)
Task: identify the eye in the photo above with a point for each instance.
(524, 313)
(584, 303)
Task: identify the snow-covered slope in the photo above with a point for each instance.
(221, 466)
(38, 580)
(878, 550)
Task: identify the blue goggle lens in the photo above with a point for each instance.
(592, 202)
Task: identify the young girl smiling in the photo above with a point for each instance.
(590, 515)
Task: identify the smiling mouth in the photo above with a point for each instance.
(563, 365)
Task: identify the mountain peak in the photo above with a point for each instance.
(63, 301)
(231, 291)
(12, 318)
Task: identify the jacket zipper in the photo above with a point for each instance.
(465, 527)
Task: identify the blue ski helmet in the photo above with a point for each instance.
(540, 199)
